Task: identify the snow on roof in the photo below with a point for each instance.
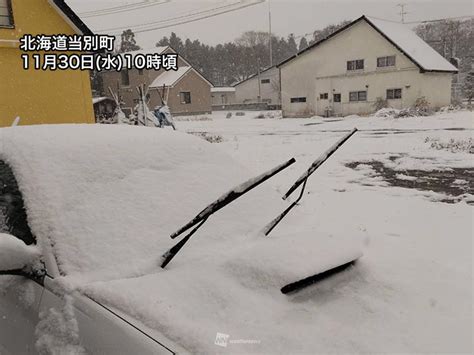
(170, 78)
(255, 75)
(413, 46)
(223, 89)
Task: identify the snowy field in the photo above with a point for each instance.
(408, 183)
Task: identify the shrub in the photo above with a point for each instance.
(380, 103)
(454, 146)
(420, 108)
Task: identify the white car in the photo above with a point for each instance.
(86, 213)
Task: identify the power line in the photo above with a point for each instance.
(204, 16)
(188, 14)
(441, 19)
(406, 23)
(123, 8)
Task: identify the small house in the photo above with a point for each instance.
(186, 91)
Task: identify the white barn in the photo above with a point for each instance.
(261, 87)
(346, 72)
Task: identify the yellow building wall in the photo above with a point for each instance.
(39, 97)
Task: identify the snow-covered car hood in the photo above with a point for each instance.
(107, 199)
(235, 293)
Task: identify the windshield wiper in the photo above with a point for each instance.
(212, 208)
(304, 179)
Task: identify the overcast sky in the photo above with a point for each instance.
(288, 16)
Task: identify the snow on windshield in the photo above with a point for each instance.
(107, 198)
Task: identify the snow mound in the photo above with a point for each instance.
(237, 293)
(387, 112)
(15, 254)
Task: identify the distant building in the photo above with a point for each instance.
(263, 87)
(368, 59)
(187, 91)
(40, 96)
(222, 96)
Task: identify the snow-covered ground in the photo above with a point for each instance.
(412, 290)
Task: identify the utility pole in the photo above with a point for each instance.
(259, 83)
(270, 33)
(402, 11)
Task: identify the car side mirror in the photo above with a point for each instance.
(17, 258)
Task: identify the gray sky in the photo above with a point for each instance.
(288, 16)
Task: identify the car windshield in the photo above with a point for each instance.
(108, 198)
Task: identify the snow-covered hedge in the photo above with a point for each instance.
(454, 146)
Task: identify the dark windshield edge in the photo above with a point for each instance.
(12, 208)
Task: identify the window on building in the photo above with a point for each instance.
(355, 96)
(394, 94)
(125, 78)
(324, 96)
(386, 61)
(265, 81)
(185, 97)
(337, 97)
(6, 13)
(297, 99)
(355, 64)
